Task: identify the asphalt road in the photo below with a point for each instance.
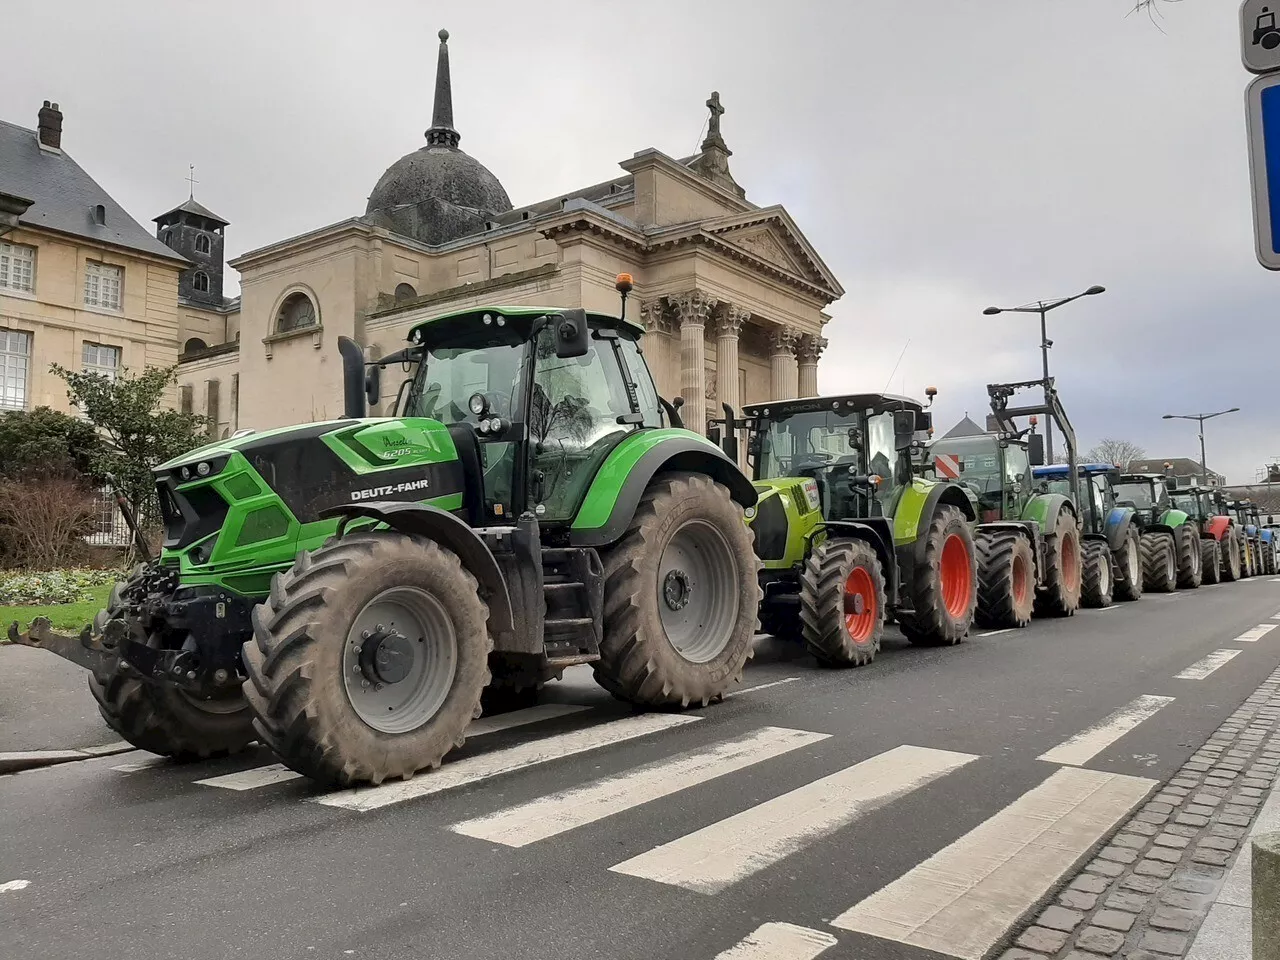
(868, 814)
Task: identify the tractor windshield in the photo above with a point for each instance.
(464, 361)
(1138, 493)
(980, 461)
(1192, 504)
(808, 440)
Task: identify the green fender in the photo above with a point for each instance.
(622, 479)
(784, 523)
(1174, 518)
(1045, 508)
(918, 502)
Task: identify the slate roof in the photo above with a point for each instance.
(64, 195)
(1181, 466)
(965, 428)
(195, 207)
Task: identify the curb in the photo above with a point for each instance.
(18, 760)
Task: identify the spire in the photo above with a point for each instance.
(442, 133)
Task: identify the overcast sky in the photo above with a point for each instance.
(941, 156)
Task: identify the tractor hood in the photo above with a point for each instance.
(246, 437)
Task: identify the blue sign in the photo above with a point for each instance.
(1262, 101)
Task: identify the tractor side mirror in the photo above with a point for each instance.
(373, 384)
(855, 438)
(1035, 449)
(571, 334)
(904, 429)
(1170, 484)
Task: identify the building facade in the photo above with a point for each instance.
(731, 294)
(82, 284)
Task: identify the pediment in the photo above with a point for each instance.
(772, 236)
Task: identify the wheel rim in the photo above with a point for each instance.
(1070, 564)
(1021, 581)
(957, 575)
(860, 608)
(1133, 563)
(698, 591)
(225, 702)
(1104, 567)
(400, 660)
(1170, 567)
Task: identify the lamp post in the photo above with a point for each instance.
(1042, 307)
(1201, 418)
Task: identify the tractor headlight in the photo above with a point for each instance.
(203, 468)
(478, 404)
(750, 513)
(185, 473)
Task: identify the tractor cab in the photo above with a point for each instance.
(1147, 493)
(1097, 487)
(1246, 514)
(1195, 501)
(997, 469)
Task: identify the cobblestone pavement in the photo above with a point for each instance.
(1146, 892)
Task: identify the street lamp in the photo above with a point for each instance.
(1042, 307)
(1201, 417)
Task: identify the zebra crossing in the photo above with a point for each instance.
(958, 902)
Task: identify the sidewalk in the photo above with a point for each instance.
(1227, 933)
(45, 704)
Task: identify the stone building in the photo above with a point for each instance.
(732, 294)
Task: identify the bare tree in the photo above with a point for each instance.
(1120, 452)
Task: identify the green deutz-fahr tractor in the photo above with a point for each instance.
(1029, 553)
(1171, 555)
(1221, 547)
(341, 591)
(848, 535)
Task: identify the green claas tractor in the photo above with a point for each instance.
(848, 534)
(1029, 553)
(1221, 547)
(1171, 555)
(1111, 550)
(343, 591)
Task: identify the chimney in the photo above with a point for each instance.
(51, 126)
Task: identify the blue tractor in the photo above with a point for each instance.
(1110, 537)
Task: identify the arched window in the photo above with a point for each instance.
(296, 312)
(194, 344)
(202, 243)
(405, 291)
(200, 282)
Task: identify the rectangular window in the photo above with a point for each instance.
(17, 267)
(100, 359)
(15, 359)
(102, 283)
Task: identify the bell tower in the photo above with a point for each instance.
(197, 233)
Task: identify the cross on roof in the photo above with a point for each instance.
(717, 111)
(191, 181)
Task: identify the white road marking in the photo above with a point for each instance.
(252, 779)
(713, 858)
(779, 941)
(1275, 579)
(1114, 606)
(518, 718)
(552, 815)
(761, 686)
(14, 885)
(994, 633)
(963, 899)
(517, 757)
(1254, 634)
(1275, 616)
(1087, 744)
(136, 765)
(120, 746)
(1202, 669)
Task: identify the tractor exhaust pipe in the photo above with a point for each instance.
(353, 379)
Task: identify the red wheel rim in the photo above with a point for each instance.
(860, 587)
(1070, 568)
(1020, 581)
(957, 576)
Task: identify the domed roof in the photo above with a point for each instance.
(438, 193)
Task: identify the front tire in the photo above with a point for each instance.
(1211, 560)
(1232, 561)
(1129, 562)
(1060, 592)
(842, 603)
(1190, 572)
(368, 659)
(1159, 568)
(944, 588)
(1006, 579)
(680, 596)
(1097, 590)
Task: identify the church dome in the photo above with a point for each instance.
(438, 193)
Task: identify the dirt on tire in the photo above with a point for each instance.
(1006, 579)
(638, 662)
(930, 621)
(1096, 591)
(1060, 587)
(835, 635)
(1159, 568)
(295, 661)
(1190, 569)
(1211, 560)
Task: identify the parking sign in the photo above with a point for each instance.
(1262, 103)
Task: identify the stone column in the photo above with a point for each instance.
(692, 309)
(782, 363)
(728, 327)
(810, 350)
(657, 325)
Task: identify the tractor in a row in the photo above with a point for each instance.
(1171, 554)
(1223, 551)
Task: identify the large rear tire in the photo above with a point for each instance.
(1006, 579)
(680, 596)
(944, 589)
(1190, 571)
(368, 659)
(842, 603)
(1232, 559)
(1159, 566)
(1060, 591)
(1128, 562)
(1211, 560)
(1097, 589)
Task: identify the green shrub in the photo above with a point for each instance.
(54, 586)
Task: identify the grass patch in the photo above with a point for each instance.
(63, 616)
